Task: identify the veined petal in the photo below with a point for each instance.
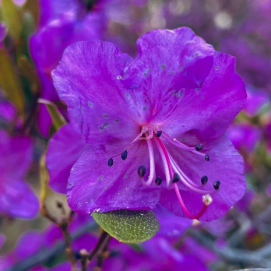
(16, 155)
(225, 165)
(88, 80)
(17, 199)
(208, 110)
(65, 147)
(95, 187)
(167, 61)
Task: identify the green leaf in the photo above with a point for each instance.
(10, 82)
(28, 70)
(128, 226)
(11, 17)
(44, 179)
(33, 7)
(57, 118)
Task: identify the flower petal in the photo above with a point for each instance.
(87, 79)
(62, 154)
(170, 224)
(17, 152)
(168, 60)
(225, 165)
(95, 187)
(211, 108)
(17, 199)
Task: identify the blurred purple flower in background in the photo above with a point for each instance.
(17, 198)
(61, 24)
(148, 97)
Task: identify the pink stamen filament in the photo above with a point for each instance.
(152, 164)
(199, 191)
(204, 207)
(177, 168)
(164, 160)
(132, 143)
(196, 216)
(180, 145)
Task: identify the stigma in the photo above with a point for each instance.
(175, 177)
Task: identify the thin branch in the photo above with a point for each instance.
(232, 255)
(43, 256)
(99, 244)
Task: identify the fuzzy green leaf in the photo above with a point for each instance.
(128, 226)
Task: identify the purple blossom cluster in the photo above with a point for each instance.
(135, 107)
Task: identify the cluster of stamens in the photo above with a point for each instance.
(173, 173)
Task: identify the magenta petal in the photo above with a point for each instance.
(87, 79)
(211, 108)
(17, 199)
(50, 10)
(95, 187)
(62, 154)
(225, 165)
(244, 136)
(170, 224)
(170, 59)
(17, 152)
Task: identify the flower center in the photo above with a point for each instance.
(173, 173)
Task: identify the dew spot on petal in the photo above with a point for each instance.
(105, 124)
(144, 108)
(202, 97)
(119, 77)
(101, 128)
(217, 68)
(90, 104)
(100, 178)
(163, 66)
(117, 121)
(105, 116)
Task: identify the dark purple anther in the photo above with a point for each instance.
(159, 133)
(141, 171)
(124, 155)
(158, 180)
(204, 180)
(175, 178)
(198, 147)
(110, 162)
(216, 185)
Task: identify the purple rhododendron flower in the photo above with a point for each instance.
(16, 197)
(244, 136)
(7, 110)
(255, 100)
(155, 125)
(62, 153)
(61, 24)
